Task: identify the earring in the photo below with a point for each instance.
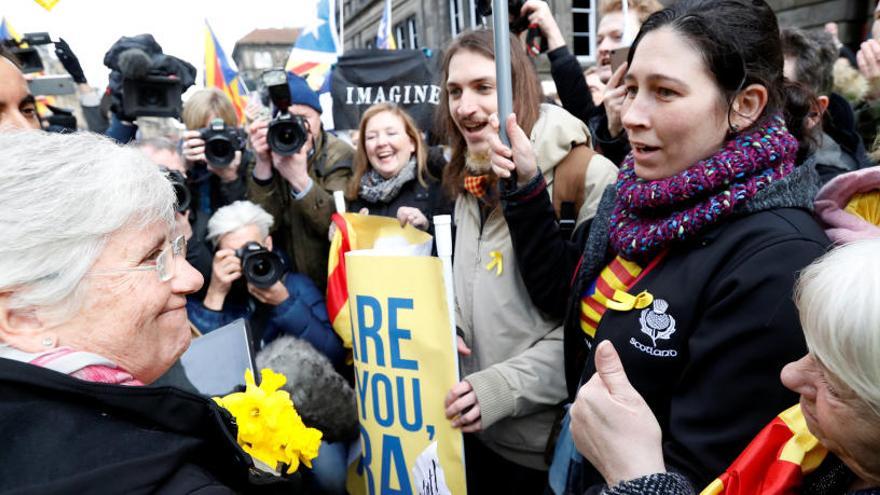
(48, 342)
(734, 128)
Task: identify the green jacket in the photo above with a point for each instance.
(301, 226)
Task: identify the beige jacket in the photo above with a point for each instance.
(516, 361)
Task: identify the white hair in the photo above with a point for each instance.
(838, 297)
(235, 216)
(62, 197)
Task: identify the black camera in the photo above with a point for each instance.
(145, 81)
(153, 95)
(180, 190)
(287, 133)
(221, 142)
(28, 57)
(261, 267)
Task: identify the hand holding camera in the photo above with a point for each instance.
(225, 270)
(218, 145)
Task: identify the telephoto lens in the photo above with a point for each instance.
(260, 267)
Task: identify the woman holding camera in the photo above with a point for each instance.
(689, 264)
(391, 176)
(216, 174)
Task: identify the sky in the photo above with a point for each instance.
(90, 27)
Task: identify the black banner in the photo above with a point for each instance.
(365, 77)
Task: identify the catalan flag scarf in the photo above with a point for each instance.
(610, 291)
(776, 460)
(649, 215)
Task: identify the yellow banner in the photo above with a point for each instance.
(405, 363)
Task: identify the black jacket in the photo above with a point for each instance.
(571, 86)
(431, 200)
(64, 435)
(713, 381)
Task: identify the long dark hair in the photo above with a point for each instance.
(740, 44)
(526, 102)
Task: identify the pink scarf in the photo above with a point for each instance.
(83, 365)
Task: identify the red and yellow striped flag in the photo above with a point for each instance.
(337, 283)
(220, 74)
(776, 460)
(355, 232)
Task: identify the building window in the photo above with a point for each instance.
(405, 33)
(476, 20)
(262, 60)
(400, 36)
(413, 34)
(583, 13)
(456, 17)
(370, 44)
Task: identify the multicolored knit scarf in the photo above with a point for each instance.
(649, 215)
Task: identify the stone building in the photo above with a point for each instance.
(432, 23)
(262, 49)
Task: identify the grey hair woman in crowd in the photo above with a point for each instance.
(838, 381)
(92, 306)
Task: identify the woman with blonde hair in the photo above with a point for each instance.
(391, 176)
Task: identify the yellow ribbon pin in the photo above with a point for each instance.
(497, 263)
(623, 301)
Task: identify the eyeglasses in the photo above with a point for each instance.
(165, 262)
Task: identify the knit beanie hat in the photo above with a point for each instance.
(301, 93)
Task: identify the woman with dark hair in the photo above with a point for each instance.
(689, 264)
(391, 173)
(512, 352)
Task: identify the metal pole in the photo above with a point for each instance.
(341, 47)
(502, 65)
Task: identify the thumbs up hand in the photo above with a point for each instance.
(612, 425)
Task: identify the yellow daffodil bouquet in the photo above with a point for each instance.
(269, 428)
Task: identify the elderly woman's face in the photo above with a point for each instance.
(131, 317)
(835, 415)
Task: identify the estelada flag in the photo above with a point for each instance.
(316, 48)
(776, 460)
(354, 232)
(220, 74)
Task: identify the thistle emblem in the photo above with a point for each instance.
(656, 323)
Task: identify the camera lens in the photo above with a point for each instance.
(286, 135)
(219, 151)
(261, 267)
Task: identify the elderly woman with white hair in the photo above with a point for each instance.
(838, 382)
(93, 282)
(292, 305)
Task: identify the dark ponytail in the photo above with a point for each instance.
(740, 44)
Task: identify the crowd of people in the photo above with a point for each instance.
(688, 242)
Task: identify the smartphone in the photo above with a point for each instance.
(52, 86)
(618, 57)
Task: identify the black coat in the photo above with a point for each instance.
(64, 435)
(429, 199)
(574, 93)
(713, 382)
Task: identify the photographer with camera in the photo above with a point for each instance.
(18, 109)
(250, 281)
(298, 166)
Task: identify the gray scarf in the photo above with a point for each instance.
(377, 189)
